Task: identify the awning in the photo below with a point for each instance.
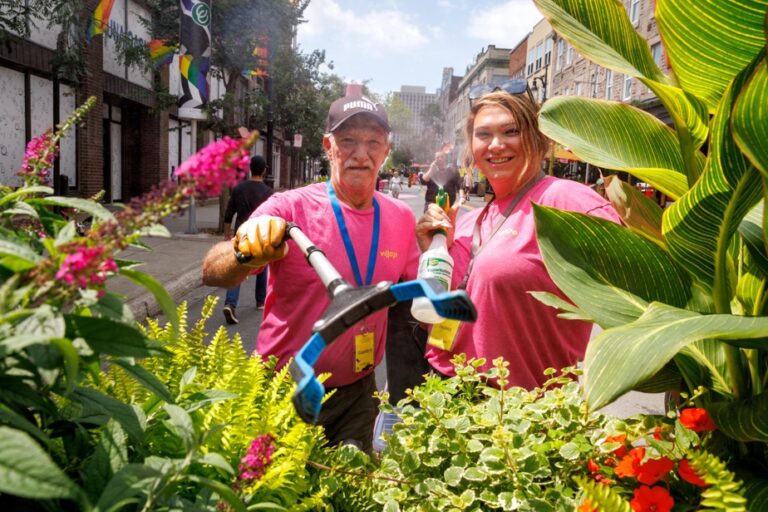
(563, 154)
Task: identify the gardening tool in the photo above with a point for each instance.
(348, 306)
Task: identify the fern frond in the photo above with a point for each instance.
(602, 497)
(725, 491)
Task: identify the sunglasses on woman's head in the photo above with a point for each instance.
(514, 86)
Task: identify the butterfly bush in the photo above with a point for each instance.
(85, 262)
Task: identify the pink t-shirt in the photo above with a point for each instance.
(296, 297)
(511, 323)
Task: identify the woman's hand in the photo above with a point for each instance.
(435, 218)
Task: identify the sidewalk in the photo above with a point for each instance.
(175, 262)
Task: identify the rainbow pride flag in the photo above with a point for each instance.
(195, 71)
(160, 52)
(100, 19)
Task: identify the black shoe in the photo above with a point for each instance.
(229, 314)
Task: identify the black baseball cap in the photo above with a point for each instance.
(348, 106)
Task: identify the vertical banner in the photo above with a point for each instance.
(195, 57)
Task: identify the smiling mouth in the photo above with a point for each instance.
(500, 160)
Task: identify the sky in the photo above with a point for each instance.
(389, 43)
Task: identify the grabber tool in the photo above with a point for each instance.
(348, 306)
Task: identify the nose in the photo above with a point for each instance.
(496, 142)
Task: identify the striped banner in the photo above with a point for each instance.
(195, 57)
(100, 19)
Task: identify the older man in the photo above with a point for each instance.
(367, 236)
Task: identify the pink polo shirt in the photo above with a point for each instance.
(511, 323)
(296, 297)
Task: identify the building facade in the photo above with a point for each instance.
(416, 98)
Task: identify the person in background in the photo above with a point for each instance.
(367, 236)
(440, 172)
(468, 183)
(245, 198)
(396, 184)
(495, 252)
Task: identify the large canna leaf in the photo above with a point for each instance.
(617, 136)
(698, 228)
(750, 119)
(606, 270)
(709, 42)
(601, 31)
(619, 359)
(85, 205)
(744, 420)
(639, 213)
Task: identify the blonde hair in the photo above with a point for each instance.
(524, 111)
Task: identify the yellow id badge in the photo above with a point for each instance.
(364, 351)
(443, 335)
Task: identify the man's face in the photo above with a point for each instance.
(356, 150)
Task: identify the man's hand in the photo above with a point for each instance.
(260, 240)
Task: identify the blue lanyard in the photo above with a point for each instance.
(348, 241)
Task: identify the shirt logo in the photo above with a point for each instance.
(508, 231)
(388, 254)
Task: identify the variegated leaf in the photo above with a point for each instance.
(601, 31)
(698, 227)
(750, 118)
(744, 420)
(708, 43)
(619, 359)
(617, 136)
(606, 270)
(639, 213)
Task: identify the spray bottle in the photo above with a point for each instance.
(437, 264)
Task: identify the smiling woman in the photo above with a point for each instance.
(496, 255)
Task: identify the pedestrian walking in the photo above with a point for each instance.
(245, 198)
(367, 236)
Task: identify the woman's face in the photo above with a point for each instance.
(497, 148)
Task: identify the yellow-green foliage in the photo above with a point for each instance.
(247, 398)
(602, 497)
(724, 492)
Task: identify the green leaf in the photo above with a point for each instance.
(452, 476)
(750, 118)
(569, 451)
(618, 136)
(126, 487)
(110, 455)
(638, 212)
(751, 230)
(601, 31)
(566, 309)
(744, 420)
(25, 191)
(84, 205)
(17, 248)
(147, 379)
(755, 490)
(66, 234)
(14, 344)
(606, 270)
(161, 295)
(71, 361)
(217, 461)
(201, 399)
(11, 418)
(619, 359)
(708, 43)
(224, 491)
(100, 408)
(699, 226)
(157, 230)
(182, 424)
(106, 336)
(27, 471)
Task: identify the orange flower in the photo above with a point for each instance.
(697, 419)
(621, 438)
(657, 433)
(586, 506)
(689, 474)
(654, 470)
(651, 499)
(630, 463)
(593, 466)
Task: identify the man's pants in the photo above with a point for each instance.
(406, 344)
(349, 415)
(233, 294)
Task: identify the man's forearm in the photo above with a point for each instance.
(221, 269)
